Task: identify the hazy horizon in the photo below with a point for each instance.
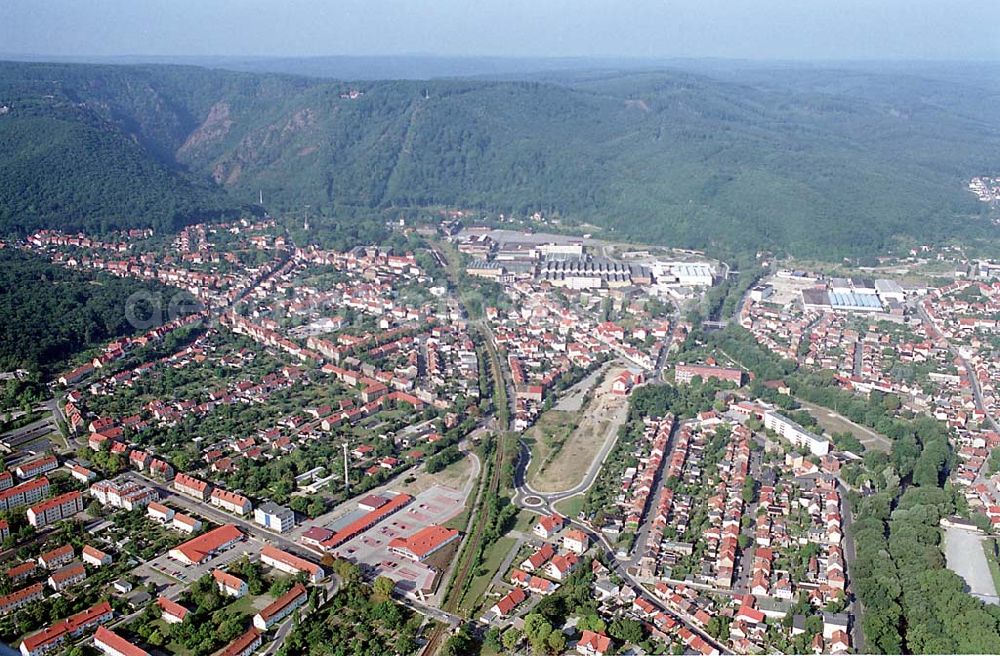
(762, 30)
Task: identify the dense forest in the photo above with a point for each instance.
(660, 156)
(51, 313)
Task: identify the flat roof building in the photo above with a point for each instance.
(274, 517)
(795, 433)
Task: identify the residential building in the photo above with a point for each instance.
(22, 597)
(123, 493)
(576, 541)
(230, 501)
(95, 557)
(228, 584)
(593, 644)
(506, 605)
(539, 558)
(66, 576)
(795, 433)
(290, 563)
(82, 474)
(112, 644)
(36, 467)
(281, 608)
(548, 525)
(170, 611)
(684, 373)
(560, 567)
(56, 557)
(245, 645)
(54, 635)
(186, 523)
(159, 512)
(24, 494)
(192, 487)
(55, 509)
(18, 573)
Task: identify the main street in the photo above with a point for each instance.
(977, 391)
(524, 489)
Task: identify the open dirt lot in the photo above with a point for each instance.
(787, 290)
(562, 466)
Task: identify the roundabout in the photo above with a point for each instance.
(532, 501)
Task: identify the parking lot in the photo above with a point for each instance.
(164, 569)
(963, 550)
(371, 549)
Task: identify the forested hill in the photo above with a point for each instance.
(51, 313)
(665, 156)
(68, 159)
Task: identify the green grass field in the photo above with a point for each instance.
(492, 559)
(572, 506)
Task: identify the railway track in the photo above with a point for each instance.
(474, 541)
(455, 594)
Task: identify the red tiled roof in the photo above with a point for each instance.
(227, 579)
(239, 645)
(58, 552)
(291, 560)
(118, 643)
(171, 607)
(424, 541)
(366, 522)
(71, 624)
(93, 552)
(196, 549)
(596, 641)
(283, 601)
(68, 572)
(18, 595)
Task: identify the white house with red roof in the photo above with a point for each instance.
(593, 644)
(548, 525)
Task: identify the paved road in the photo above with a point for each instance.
(610, 438)
(621, 569)
(501, 572)
(599, 540)
(642, 535)
(850, 558)
(572, 399)
(350, 503)
(218, 516)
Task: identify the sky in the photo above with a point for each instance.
(732, 29)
